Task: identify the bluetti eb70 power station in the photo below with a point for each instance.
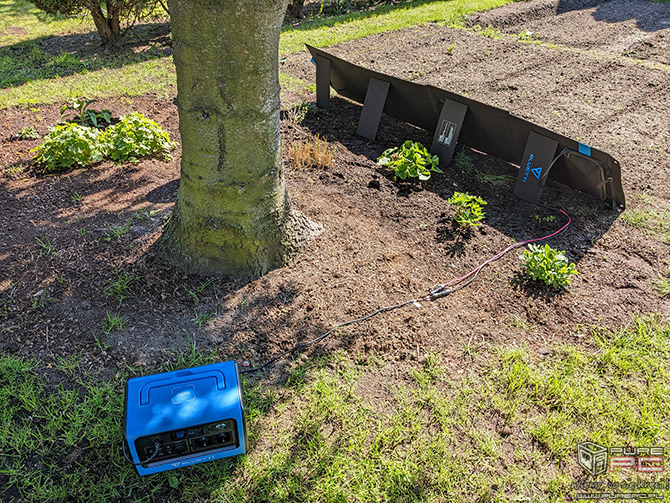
(184, 417)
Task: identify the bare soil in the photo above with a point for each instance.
(383, 241)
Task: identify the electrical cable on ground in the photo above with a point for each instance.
(125, 454)
(437, 292)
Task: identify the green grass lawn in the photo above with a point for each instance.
(28, 76)
(504, 428)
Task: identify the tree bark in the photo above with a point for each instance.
(295, 9)
(233, 216)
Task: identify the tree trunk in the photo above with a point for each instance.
(232, 216)
(295, 9)
(109, 27)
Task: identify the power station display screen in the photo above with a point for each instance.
(191, 440)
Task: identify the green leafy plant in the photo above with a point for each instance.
(550, 266)
(28, 133)
(135, 136)
(411, 160)
(469, 209)
(78, 112)
(69, 145)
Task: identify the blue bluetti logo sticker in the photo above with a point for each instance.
(537, 172)
(527, 170)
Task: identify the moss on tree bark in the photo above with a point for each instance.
(233, 216)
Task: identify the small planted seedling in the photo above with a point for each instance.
(410, 160)
(547, 265)
(488, 32)
(469, 209)
(297, 113)
(527, 36)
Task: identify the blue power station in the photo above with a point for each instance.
(184, 417)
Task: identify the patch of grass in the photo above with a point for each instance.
(202, 318)
(14, 172)
(113, 322)
(70, 365)
(46, 246)
(157, 75)
(650, 217)
(295, 85)
(153, 76)
(67, 427)
(521, 323)
(146, 214)
(119, 286)
(114, 232)
(195, 292)
(20, 20)
(194, 356)
(488, 32)
(323, 32)
(662, 284)
(344, 431)
(464, 162)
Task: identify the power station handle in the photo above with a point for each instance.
(181, 378)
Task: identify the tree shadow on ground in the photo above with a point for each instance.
(648, 16)
(89, 252)
(63, 55)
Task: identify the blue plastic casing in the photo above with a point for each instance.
(195, 415)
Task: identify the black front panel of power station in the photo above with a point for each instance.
(192, 440)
